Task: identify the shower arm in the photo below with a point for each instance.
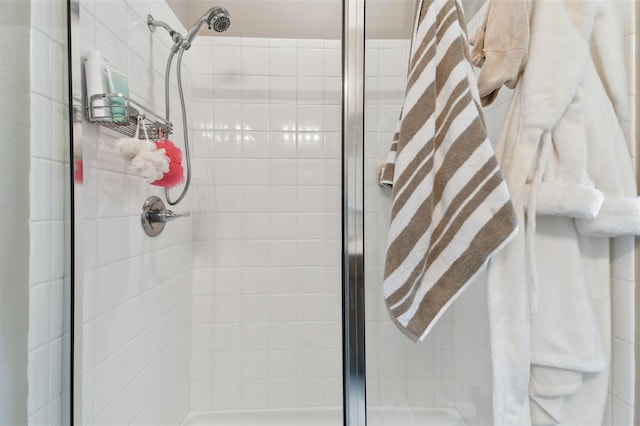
(152, 24)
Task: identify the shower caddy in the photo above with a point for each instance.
(154, 215)
(100, 111)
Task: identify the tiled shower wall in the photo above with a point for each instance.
(49, 327)
(266, 191)
(136, 290)
(267, 224)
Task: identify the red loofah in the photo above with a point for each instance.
(77, 171)
(175, 174)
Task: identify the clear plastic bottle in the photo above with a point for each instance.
(96, 79)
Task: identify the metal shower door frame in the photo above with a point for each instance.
(353, 295)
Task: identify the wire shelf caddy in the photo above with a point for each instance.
(120, 113)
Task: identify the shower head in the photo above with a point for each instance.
(219, 19)
(216, 18)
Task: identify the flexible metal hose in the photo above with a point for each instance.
(167, 75)
(185, 126)
(217, 18)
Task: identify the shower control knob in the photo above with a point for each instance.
(154, 216)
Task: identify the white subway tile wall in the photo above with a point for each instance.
(49, 281)
(266, 254)
(136, 289)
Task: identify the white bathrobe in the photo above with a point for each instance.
(567, 164)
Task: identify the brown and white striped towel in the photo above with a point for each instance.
(451, 209)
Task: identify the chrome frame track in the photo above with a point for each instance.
(353, 295)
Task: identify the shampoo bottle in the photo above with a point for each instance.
(96, 78)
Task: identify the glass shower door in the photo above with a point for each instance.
(447, 379)
(232, 314)
(432, 382)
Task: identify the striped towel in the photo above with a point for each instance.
(451, 209)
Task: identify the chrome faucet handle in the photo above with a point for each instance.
(164, 216)
(154, 216)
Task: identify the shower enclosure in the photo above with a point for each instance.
(264, 305)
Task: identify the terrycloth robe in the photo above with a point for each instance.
(566, 162)
(451, 210)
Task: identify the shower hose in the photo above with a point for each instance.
(185, 127)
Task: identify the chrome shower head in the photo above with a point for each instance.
(219, 19)
(216, 18)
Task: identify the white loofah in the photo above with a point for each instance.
(129, 147)
(147, 160)
(150, 163)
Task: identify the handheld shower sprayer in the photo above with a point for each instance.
(218, 20)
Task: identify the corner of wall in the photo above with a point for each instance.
(14, 226)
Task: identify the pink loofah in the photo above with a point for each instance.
(175, 174)
(78, 175)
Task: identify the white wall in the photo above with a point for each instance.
(14, 220)
(136, 303)
(266, 257)
(49, 260)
